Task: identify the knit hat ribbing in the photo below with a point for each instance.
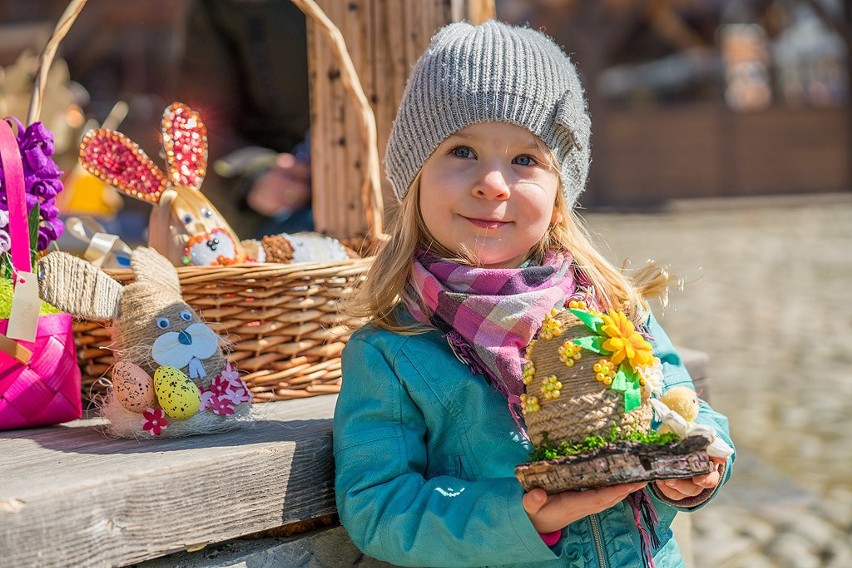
(491, 72)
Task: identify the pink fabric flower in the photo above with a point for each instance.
(229, 373)
(154, 421)
(226, 391)
(221, 405)
(219, 386)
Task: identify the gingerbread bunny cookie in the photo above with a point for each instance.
(170, 376)
(184, 226)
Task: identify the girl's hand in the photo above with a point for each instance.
(679, 489)
(550, 513)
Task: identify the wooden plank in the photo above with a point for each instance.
(71, 497)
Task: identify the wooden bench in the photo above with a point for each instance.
(71, 497)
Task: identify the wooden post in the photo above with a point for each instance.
(384, 38)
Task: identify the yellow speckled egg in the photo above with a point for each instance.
(178, 395)
(133, 387)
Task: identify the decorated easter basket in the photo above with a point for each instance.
(588, 408)
(283, 321)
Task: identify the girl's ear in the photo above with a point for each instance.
(78, 287)
(151, 267)
(112, 157)
(185, 143)
(557, 217)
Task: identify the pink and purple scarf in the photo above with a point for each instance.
(488, 315)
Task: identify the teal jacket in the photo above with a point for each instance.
(425, 454)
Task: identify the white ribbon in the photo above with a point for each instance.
(196, 369)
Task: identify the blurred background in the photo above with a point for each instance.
(722, 148)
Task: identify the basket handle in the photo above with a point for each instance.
(13, 170)
(371, 188)
(62, 26)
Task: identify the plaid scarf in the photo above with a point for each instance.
(489, 315)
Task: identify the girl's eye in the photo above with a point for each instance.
(525, 160)
(462, 152)
(163, 323)
(206, 212)
(187, 219)
(185, 315)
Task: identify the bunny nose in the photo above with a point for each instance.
(184, 338)
(213, 243)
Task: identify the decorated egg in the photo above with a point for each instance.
(177, 395)
(133, 387)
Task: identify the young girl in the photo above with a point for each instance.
(488, 154)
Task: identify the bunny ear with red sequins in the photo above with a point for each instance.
(185, 143)
(114, 158)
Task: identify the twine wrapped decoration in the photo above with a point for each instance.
(170, 377)
(587, 406)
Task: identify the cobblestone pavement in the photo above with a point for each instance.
(766, 295)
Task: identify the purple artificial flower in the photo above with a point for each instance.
(5, 238)
(41, 179)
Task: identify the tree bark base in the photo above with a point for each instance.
(617, 463)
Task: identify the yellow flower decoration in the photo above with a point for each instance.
(577, 305)
(529, 404)
(528, 373)
(530, 349)
(551, 387)
(569, 353)
(551, 327)
(624, 341)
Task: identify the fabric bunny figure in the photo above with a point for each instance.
(184, 226)
(170, 376)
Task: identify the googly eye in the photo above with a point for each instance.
(163, 323)
(206, 212)
(185, 315)
(187, 219)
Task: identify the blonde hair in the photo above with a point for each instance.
(384, 287)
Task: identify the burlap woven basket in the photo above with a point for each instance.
(282, 321)
(569, 401)
(585, 407)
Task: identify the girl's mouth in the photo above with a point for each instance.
(487, 223)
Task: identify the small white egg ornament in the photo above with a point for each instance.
(178, 396)
(133, 387)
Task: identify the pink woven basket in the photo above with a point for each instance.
(46, 389)
(39, 379)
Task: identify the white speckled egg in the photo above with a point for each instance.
(177, 395)
(133, 387)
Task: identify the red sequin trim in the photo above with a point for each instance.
(117, 160)
(185, 143)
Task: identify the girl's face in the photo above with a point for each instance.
(489, 190)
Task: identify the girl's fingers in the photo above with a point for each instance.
(534, 500)
(606, 497)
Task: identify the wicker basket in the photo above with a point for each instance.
(282, 320)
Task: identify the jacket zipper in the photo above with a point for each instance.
(596, 535)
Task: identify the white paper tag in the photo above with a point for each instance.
(23, 319)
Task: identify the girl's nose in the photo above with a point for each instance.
(492, 185)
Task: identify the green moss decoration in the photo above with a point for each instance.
(548, 451)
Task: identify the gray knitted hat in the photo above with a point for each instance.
(491, 72)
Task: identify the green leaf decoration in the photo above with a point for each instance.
(620, 382)
(629, 372)
(6, 266)
(632, 397)
(33, 220)
(592, 343)
(591, 321)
